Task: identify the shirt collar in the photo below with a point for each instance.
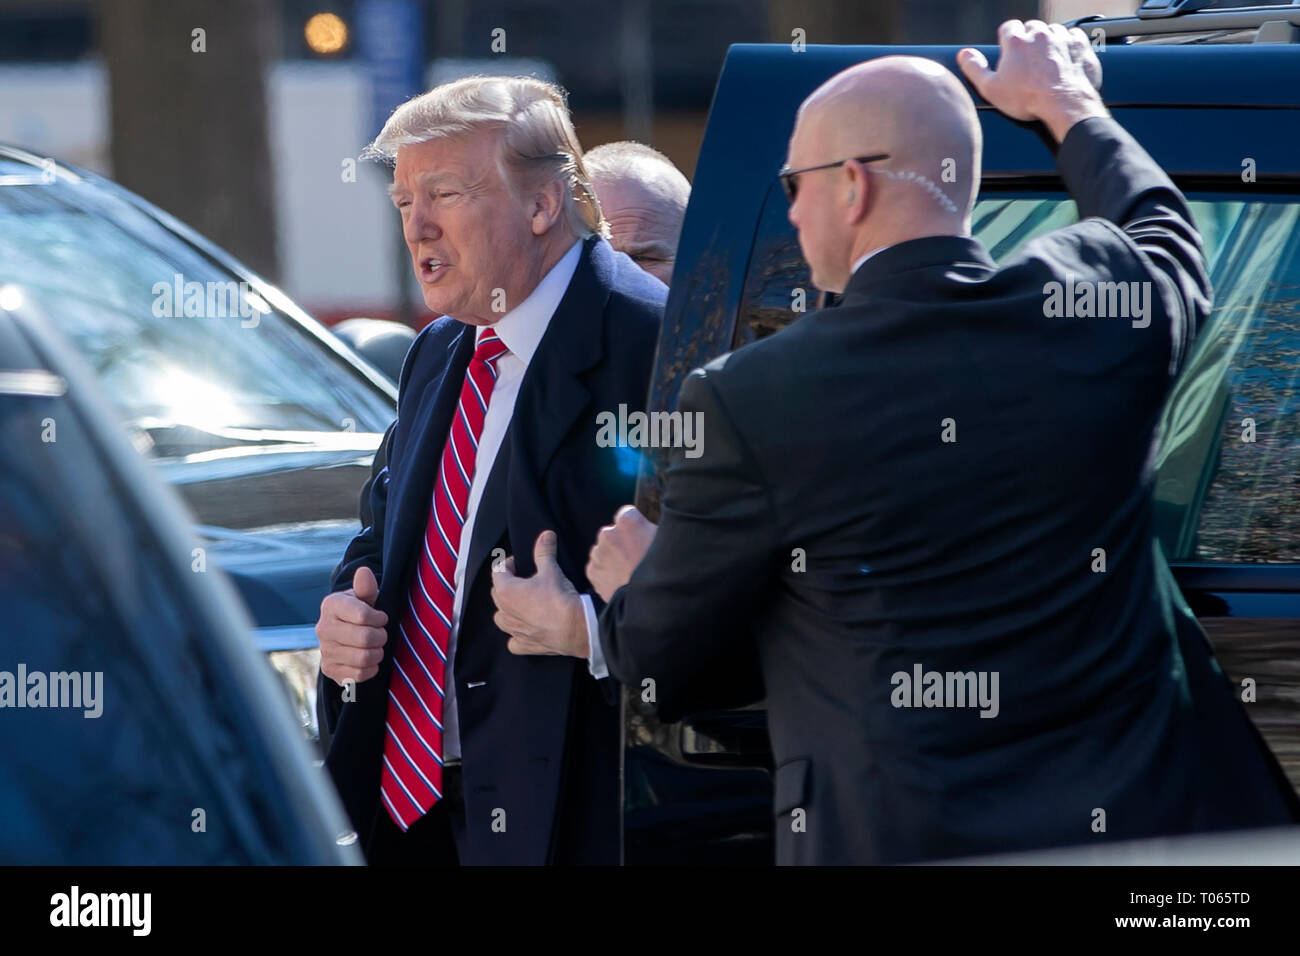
(522, 328)
(858, 265)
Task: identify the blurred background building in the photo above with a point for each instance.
(243, 118)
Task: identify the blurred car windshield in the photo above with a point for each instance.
(195, 360)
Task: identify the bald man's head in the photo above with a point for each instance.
(918, 113)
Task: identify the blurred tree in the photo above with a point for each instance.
(187, 94)
(876, 21)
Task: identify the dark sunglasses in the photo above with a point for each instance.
(791, 185)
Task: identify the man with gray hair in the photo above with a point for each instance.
(644, 197)
(448, 744)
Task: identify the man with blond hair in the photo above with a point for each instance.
(448, 745)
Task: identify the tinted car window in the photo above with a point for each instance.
(778, 284)
(1228, 474)
(1238, 393)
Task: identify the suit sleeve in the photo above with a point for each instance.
(1110, 176)
(377, 465)
(367, 549)
(683, 619)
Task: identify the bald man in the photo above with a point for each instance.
(644, 197)
(928, 509)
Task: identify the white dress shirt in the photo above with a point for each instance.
(521, 329)
(858, 265)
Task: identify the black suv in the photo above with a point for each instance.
(1214, 95)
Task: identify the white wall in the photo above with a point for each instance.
(337, 238)
(61, 111)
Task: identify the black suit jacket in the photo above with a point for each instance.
(540, 736)
(829, 522)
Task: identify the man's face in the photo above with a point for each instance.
(815, 212)
(640, 224)
(466, 232)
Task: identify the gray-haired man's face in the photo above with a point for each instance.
(471, 241)
(640, 223)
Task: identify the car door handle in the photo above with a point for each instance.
(726, 738)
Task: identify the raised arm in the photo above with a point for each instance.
(1051, 74)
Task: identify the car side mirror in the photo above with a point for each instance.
(726, 738)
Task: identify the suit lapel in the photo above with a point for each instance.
(551, 397)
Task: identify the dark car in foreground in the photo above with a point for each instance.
(1224, 121)
(138, 725)
(262, 420)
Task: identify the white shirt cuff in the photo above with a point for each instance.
(595, 656)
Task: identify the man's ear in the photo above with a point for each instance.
(859, 191)
(548, 207)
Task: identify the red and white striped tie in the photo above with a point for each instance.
(411, 781)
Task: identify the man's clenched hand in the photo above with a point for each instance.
(351, 631)
(1045, 72)
(619, 548)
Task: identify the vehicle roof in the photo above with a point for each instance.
(1200, 21)
(1251, 94)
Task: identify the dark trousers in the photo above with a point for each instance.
(436, 839)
